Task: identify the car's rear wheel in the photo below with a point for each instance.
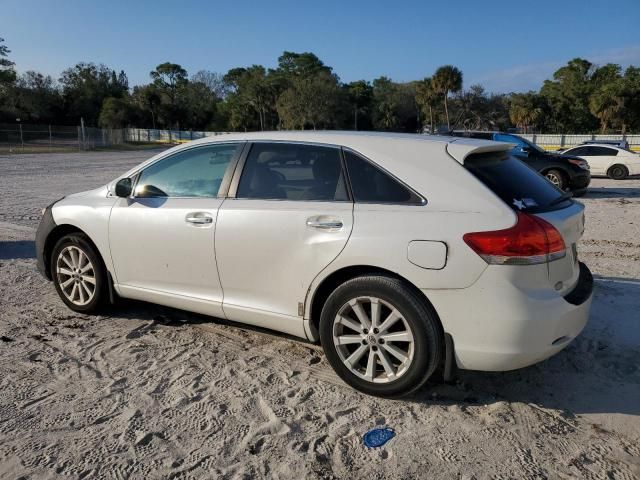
(618, 172)
(78, 273)
(557, 178)
(380, 336)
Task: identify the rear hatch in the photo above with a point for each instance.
(569, 221)
(528, 192)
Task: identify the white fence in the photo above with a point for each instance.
(548, 141)
(165, 136)
(556, 141)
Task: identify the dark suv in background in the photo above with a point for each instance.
(564, 171)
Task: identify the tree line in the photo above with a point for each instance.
(304, 93)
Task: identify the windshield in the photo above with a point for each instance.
(533, 145)
(517, 184)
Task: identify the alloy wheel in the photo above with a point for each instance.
(373, 339)
(76, 275)
(553, 178)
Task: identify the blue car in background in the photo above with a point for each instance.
(564, 171)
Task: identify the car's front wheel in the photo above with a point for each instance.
(380, 336)
(557, 178)
(78, 273)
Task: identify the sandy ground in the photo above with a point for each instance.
(150, 392)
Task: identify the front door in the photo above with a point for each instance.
(162, 238)
(290, 218)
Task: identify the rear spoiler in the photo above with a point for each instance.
(461, 148)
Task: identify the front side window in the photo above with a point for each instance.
(579, 151)
(288, 171)
(196, 172)
(370, 184)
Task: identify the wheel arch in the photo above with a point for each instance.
(562, 169)
(56, 234)
(614, 165)
(319, 295)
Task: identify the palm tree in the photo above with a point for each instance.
(426, 97)
(525, 109)
(447, 79)
(606, 103)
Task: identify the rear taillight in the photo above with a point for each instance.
(530, 241)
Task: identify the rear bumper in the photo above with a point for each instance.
(499, 326)
(634, 168)
(580, 182)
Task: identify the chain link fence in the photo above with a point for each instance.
(27, 138)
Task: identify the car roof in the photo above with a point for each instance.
(430, 164)
(368, 143)
(595, 144)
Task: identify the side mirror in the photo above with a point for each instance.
(124, 187)
(524, 150)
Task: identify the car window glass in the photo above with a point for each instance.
(197, 172)
(285, 171)
(603, 151)
(372, 185)
(578, 151)
(499, 137)
(518, 185)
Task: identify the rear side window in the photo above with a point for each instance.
(518, 185)
(282, 171)
(370, 184)
(602, 151)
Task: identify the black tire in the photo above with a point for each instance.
(618, 172)
(100, 292)
(418, 315)
(557, 177)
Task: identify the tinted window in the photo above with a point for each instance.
(521, 187)
(501, 137)
(580, 151)
(370, 184)
(293, 172)
(602, 151)
(197, 172)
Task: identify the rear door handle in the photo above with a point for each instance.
(324, 224)
(199, 218)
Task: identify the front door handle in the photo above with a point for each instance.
(199, 218)
(324, 223)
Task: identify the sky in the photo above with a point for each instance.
(503, 45)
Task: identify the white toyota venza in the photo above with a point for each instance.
(400, 254)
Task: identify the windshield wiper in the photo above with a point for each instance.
(561, 198)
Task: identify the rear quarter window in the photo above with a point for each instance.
(370, 184)
(517, 184)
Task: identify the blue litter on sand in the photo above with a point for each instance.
(378, 437)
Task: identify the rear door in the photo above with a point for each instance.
(289, 216)
(600, 159)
